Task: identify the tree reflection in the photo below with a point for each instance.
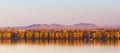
(62, 42)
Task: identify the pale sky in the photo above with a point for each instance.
(26, 12)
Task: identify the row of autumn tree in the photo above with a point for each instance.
(62, 42)
(49, 34)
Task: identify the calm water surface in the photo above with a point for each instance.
(37, 46)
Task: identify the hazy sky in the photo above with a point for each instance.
(26, 12)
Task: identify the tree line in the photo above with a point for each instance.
(61, 34)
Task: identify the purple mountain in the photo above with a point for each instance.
(58, 26)
(45, 26)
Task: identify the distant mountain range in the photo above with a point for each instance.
(58, 26)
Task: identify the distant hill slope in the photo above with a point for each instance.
(58, 26)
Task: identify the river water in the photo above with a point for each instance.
(59, 46)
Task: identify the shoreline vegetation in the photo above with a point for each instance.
(61, 36)
(61, 42)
